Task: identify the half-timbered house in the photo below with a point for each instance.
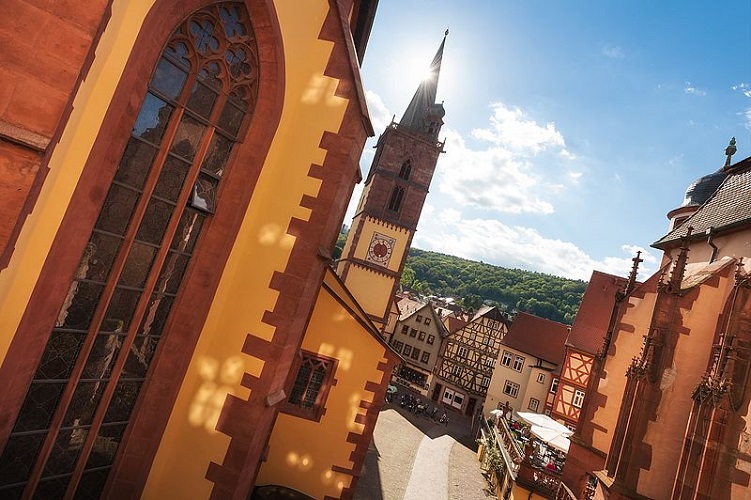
(465, 368)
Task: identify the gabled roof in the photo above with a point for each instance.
(426, 310)
(336, 287)
(727, 209)
(407, 307)
(537, 336)
(491, 312)
(593, 318)
(454, 324)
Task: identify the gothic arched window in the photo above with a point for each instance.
(200, 97)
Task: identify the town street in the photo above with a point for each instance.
(413, 457)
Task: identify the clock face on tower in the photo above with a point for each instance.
(380, 249)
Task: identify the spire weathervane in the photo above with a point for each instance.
(730, 151)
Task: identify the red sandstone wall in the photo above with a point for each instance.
(45, 46)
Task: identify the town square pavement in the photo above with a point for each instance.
(413, 457)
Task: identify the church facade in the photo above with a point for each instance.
(667, 407)
(176, 174)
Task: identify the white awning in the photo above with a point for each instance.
(541, 420)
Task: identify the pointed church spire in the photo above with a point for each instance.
(423, 114)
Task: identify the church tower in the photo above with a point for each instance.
(392, 200)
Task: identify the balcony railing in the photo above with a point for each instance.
(522, 466)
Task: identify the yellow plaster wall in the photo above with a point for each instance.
(190, 442)
(17, 281)
(301, 451)
(373, 290)
(627, 346)
(534, 389)
(691, 357)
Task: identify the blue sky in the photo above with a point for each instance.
(572, 127)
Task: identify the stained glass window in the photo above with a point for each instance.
(200, 96)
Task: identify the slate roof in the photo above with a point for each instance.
(537, 336)
(424, 98)
(593, 318)
(727, 209)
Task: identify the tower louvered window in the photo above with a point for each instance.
(201, 94)
(406, 170)
(395, 202)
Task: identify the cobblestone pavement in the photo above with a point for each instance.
(412, 457)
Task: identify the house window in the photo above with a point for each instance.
(118, 302)
(489, 362)
(506, 359)
(431, 339)
(456, 370)
(415, 353)
(578, 398)
(307, 398)
(412, 332)
(462, 352)
(405, 170)
(425, 357)
(518, 363)
(541, 378)
(554, 386)
(407, 350)
(458, 400)
(421, 336)
(486, 340)
(511, 388)
(485, 382)
(419, 318)
(427, 321)
(448, 396)
(533, 404)
(396, 199)
(398, 346)
(405, 329)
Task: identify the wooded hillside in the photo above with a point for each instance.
(474, 283)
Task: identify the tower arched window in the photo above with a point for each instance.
(395, 202)
(78, 406)
(406, 170)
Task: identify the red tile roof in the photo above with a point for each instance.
(592, 320)
(539, 337)
(454, 324)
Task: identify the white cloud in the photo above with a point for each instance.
(380, 116)
(509, 129)
(745, 88)
(689, 89)
(613, 52)
(492, 241)
(502, 174)
(493, 179)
